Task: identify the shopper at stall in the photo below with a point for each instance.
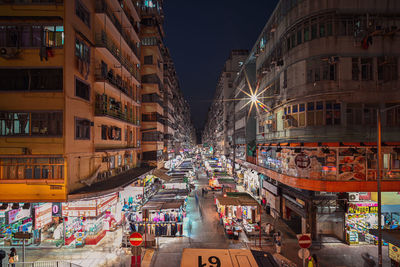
(12, 257)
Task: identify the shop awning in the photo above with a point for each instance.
(172, 205)
(153, 205)
(161, 174)
(228, 201)
(111, 185)
(391, 236)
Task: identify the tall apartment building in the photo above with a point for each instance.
(178, 128)
(326, 67)
(152, 72)
(69, 98)
(220, 117)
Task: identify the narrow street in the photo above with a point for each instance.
(200, 231)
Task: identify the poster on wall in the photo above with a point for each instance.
(352, 164)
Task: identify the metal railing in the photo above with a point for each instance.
(102, 110)
(102, 7)
(113, 79)
(45, 264)
(102, 40)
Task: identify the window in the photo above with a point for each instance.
(306, 32)
(299, 37)
(12, 123)
(33, 124)
(53, 36)
(82, 89)
(114, 133)
(332, 113)
(49, 123)
(31, 79)
(82, 13)
(393, 117)
(82, 51)
(31, 168)
(82, 129)
(112, 162)
(302, 115)
(320, 70)
(310, 114)
(319, 113)
(152, 136)
(366, 69)
(387, 68)
(355, 71)
(321, 29)
(148, 60)
(314, 27)
(150, 41)
(369, 116)
(119, 160)
(104, 131)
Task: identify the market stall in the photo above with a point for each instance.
(239, 209)
(87, 221)
(360, 217)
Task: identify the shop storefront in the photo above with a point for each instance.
(15, 220)
(251, 183)
(360, 217)
(272, 199)
(87, 221)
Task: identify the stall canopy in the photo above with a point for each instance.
(237, 199)
(160, 173)
(111, 185)
(391, 236)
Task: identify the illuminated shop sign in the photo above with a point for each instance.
(43, 215)
(88, 208)
(16, 215)
(367, 207)
(56, 210)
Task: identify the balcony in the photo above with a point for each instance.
(103, 109)
(115, 80)
(152, 98)
(154, 117)
(152, 78)
(102, 7)
(102, 40)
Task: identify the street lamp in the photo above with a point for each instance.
(378, 178)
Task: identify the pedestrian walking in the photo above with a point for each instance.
(12, 257)
(278, 242)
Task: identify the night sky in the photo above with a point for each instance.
(201, 33)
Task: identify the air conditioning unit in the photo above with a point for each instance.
(354, 197)
(8, 52)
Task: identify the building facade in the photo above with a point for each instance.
(324, 68)
(218, 130)
(70, 96)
